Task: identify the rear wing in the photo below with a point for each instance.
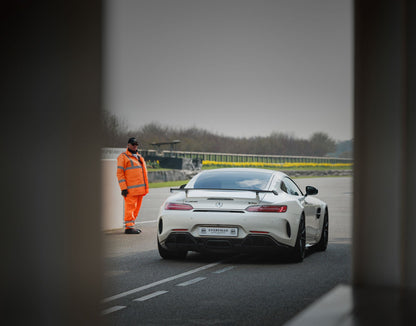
(225, 189)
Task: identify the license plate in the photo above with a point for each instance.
(224, 232)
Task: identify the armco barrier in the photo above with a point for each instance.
(111, 153)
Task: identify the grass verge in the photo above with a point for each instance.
(318, 168)
(167, 184)
(181, 182)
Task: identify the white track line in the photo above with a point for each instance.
(147, 286)
(195, 280)
(223, 270)
(149, 296)
(144, 222)
(112, 309)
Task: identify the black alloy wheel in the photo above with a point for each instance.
(323, 242)
(300, 246)
(170, 254)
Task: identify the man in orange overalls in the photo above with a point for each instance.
(133, 182)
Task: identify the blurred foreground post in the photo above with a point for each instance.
(50, 163)
(384, 246)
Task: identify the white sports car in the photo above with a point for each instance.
(242, 210)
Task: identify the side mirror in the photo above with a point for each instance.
(182, 186)
(310, 191)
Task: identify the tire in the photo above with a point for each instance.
(323, 242)
(171, 254)
(300, 247)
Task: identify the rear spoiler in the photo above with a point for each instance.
(222, 189)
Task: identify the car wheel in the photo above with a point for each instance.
(170, 254)
(300, 246)
(323, 242)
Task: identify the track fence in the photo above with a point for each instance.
(112, 153)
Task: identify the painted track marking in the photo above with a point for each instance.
(195, 280)
(223, 270)
(144, 222)
(112, 309)
(150, 296)
(148, 286)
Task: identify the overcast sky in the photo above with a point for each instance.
(238, 68)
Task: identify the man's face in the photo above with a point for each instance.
(133, 147)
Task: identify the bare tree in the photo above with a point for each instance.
(321, 144)
(201, 140)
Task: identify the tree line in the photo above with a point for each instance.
(116, 133)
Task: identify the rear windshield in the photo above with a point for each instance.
(233, 180)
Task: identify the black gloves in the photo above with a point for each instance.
(124, 192)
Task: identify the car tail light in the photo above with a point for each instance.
(267, 208)
(178, 207)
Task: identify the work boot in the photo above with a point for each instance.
(132, 231)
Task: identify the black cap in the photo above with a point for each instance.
(133, 141)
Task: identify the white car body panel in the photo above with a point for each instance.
(219, 208)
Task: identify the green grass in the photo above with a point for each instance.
(181, 182)
(283, 168)
(167, 184)
(158, 169)
(270, 168)
(174, 184)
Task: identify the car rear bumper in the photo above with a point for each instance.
(250, 243)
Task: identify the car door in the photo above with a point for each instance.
(309, 206)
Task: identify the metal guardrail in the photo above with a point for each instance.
(229, 157)
(112, 153)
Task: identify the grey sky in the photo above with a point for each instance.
(239, 68)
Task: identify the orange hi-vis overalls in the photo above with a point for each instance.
(132, 175)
